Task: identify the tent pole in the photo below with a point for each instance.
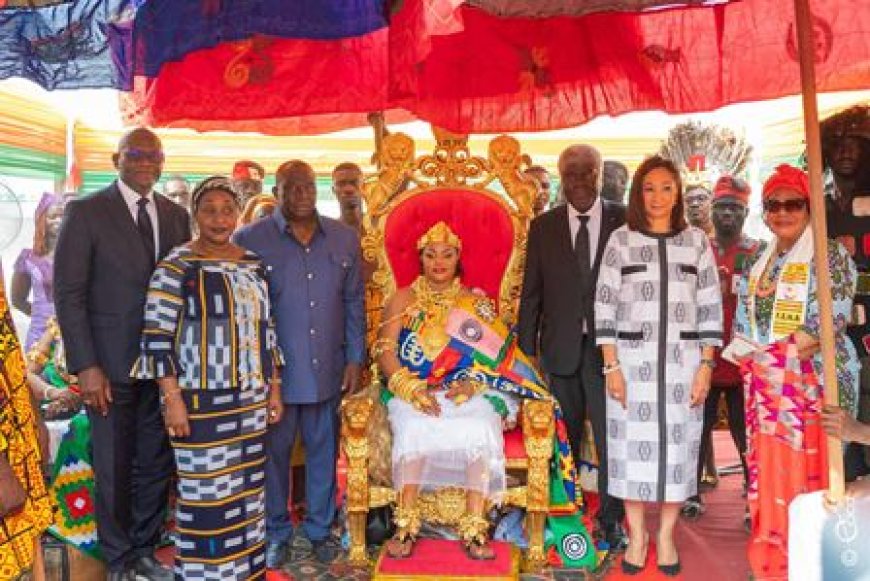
(804, 26)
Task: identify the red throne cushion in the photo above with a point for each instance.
(482, 223)
(514, 448)
(440, 559)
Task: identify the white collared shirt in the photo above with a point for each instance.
(131, 198)
(594, 226)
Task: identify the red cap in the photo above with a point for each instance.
(727, 186)
(789, 177)
(247, 170)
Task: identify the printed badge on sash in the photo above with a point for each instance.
(791, 297)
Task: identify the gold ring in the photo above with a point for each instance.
(460, 399)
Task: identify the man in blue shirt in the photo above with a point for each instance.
(317, 296)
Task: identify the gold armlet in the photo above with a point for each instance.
(384, 345)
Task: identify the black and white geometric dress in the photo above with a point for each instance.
(208, 322)
(658, 300)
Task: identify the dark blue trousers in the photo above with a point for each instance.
(318, 425)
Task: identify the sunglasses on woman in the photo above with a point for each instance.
(790, 206)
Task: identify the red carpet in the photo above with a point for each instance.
(443, 559)
(713, 548)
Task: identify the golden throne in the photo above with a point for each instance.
(406, 198)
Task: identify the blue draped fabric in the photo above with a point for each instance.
(69, 45)
(166, 30)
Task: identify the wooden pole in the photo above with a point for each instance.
(804, 26)
(376, 120)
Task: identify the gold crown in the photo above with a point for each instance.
(440, 232)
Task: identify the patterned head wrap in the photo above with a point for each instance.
(221, 183)
(788, 177)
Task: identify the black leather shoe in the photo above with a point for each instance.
(150, 569)
(615, 537)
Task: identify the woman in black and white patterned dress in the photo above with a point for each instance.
(210, 343)
(658, 318)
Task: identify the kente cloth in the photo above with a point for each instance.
(843, 276)
(18, 443)
(72, 488)
(208, 322)
(167, 30)
(480, 347)
(221, 500)
(68, 44)
(786, 448)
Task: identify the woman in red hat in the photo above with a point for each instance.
(777, 344)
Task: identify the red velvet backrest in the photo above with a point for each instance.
(482, 223)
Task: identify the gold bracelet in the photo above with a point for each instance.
(405, 384)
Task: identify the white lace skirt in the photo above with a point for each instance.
(462, 447)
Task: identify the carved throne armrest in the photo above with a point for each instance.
(539, 429)
(356, 413)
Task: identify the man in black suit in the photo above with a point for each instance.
(107, 248)
(556, 322)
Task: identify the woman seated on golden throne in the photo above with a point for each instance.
(455, 378)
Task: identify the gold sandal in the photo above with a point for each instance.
(407, 521)
(473, 531)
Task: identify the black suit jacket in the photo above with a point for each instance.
(553, 300)
(101, 274)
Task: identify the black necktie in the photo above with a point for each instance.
(146, 229)
(581, 250)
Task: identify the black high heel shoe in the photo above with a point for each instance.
(631, 568)
(671, 570)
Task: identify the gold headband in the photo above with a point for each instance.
(440, 232)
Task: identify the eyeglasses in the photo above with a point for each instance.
(142, 155)
(791, 206)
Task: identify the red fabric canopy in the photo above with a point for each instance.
(468, 70)
(271, 85)
(510, 74)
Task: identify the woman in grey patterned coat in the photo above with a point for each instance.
(658, 318)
